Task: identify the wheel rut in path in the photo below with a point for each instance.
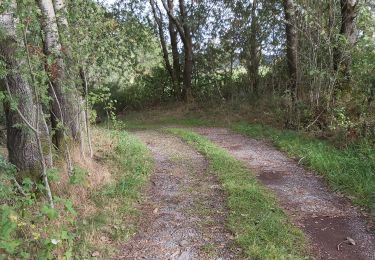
(326, 218)
(183, 216)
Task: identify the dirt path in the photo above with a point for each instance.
(184, 214)
(325, 217)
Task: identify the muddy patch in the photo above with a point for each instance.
(327, 219)
(184, 213)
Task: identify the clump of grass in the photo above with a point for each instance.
(261, 228)
(350, 170)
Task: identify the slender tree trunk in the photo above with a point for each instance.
(292, 45)
(348, 30)
(80, 125)
(175, 53)
(254, 49)
(64, 95)
(61, 14)
(184, 31)
(87, 110)
(158, 19)
(188, 49)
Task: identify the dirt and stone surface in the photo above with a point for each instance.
(335, 229)
(184, 214)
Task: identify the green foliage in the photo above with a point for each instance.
(79, 176)
(261, 228)
(53, 175)
(49, 212)
(350, 170)
(8, 226)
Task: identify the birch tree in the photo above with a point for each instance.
(64, 109)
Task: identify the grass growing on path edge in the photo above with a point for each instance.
(115, 220)
(350, 170)
(260, 227)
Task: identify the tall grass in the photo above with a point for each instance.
(116, 215)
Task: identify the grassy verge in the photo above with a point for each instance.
(350, 170)
(261, 228)
(94, 208)
(114, 221)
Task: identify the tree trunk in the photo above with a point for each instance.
(184, 31)
(175, 53)
(188, 49)
(292, 45)
(63, 97)
(343, 59)
(254, 49)
(158, 19)
(21, 141)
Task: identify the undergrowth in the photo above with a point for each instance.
(79, 228)
(350, 170)
(114, 221)
(261, 228)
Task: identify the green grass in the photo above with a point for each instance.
(165, 121)
(261, 228)
(116, 216)
(350, 170)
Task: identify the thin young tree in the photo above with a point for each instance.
(173, 35)
(159, 22)
(64, 108)
(184, 30)
(348, 38)
(291, 49)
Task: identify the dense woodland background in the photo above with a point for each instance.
(65, 65)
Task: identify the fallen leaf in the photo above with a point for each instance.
(350, 241)
(156, 210)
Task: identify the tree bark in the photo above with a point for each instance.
(254, 49)
(348, 30)
(159, 22)
(64, 96)
(175, 53)
(292, 49)
(184, 31)
(21, 141)
(188, 49)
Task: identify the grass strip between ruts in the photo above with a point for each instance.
(261, 228)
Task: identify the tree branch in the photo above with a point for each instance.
(179, 27)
